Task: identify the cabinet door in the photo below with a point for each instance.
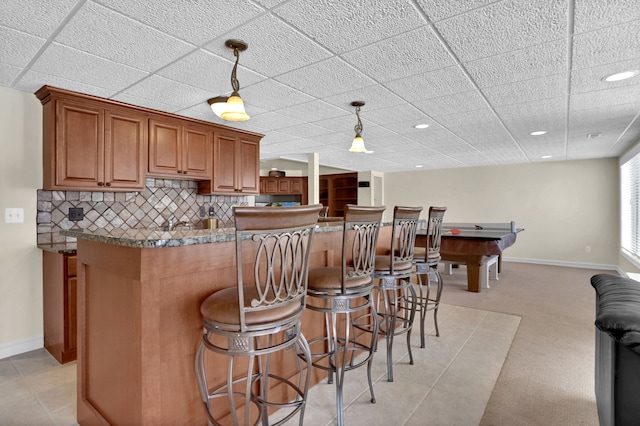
(197, 152)
(71, 316)
(295, 186)
(249, 165)
(224, 163)
(270, 185)
(125, 150)
(79, 145)
(165, 148)
(283, 186)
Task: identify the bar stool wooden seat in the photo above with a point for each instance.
(340, 291)
(426, 258)
(258, 317)
(394, 274)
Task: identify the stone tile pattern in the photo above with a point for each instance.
(161, 200)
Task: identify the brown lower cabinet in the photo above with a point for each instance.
(59, 305)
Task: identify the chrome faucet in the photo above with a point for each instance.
(172, 224)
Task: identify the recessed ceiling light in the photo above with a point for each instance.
(368, 152)
(421, 126)
(538, 133)
(621, 75)
(594, 135)
(546, 156)
(418, 166)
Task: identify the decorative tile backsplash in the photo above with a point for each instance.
(161, 200)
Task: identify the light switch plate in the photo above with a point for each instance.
(14, 215)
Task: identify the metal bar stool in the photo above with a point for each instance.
(260, 316)
(394, 272)
(345, 290)
(426, 258)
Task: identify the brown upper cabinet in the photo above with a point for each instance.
(282, 185)
(236, 165)
(179, 150)
(87, 146)
(96, 144)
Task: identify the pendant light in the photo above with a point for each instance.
(358, 143)
(231, 108)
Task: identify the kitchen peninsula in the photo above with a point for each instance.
(139, 324)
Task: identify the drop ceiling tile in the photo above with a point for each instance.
(603, 116)
(406, 128)
(452, 104)
(270, 3)
(144, 102)
(550, 123)
(591, 79)
(433, 84)
(304, 130)
(375, 97)
(395, 114)
(438, 9)
(37, 17)
(527, 91)
(190, 70)
(326, 78)
(274, 47)
(169, 92)
(527, 110)
(311, 111)
(273, 121)
(272, 95)
(481, 132)
(346, 25)
(595, 14)
(64, 62)
(410, 53)
(518, 65)
(603, 98)
(454, 149)
(612, 44)
(108, 34)
(31, 81)
(503, 27)
(343, 123)
(478, 116)
(197, 23)
(18, 47)
(276, 137)
(8, 73)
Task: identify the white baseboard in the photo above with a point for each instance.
(567, 264)
(21, 346)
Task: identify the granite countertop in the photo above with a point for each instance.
(62, 248)
(157, 238)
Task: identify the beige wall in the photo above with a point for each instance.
(20, 259)
(564, 206)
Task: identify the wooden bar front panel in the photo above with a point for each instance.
(140, 325)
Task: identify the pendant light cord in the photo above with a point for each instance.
(235, 84)
(358, 127)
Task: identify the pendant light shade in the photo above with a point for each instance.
(358, 143)
(231, 108)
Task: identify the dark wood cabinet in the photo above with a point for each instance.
(282, 185)
(236, 162)
(59, 294)
(179, 150)
(96, 144)
(89, 147)
(336, 191)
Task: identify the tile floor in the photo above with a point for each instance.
(449, 384)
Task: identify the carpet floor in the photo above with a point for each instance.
(548, 375)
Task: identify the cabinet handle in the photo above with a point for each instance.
(184, 173)
(100, 183)
(108, 183)
(179, 172)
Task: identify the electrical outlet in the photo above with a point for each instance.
(76, 214)
(202, 211)
(14, 215)
(211, 211)
(587, 249)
